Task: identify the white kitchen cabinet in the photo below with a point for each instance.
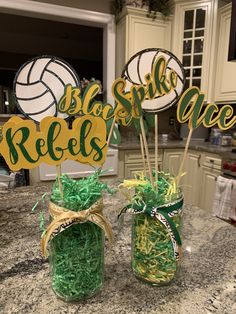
(210, 170)
(191, 182)
(171, 160)
(225, 87)
(194, 35)
(208, 183)
(130, 161)
(131, 169)
(135, 32)
(202, 170)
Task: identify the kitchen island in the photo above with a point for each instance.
(206, 284)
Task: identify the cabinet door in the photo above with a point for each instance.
(131, 161)
(208, 185)
(225, 87)
(191, 181)
(135, 31)
(172, 160)
(145, 33)
(130, 169)
(193, 39)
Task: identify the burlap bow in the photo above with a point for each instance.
(64, 218)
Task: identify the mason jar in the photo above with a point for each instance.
(76, 259)
(156, 243)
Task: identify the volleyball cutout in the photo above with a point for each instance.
(141, 64)
(40, 83)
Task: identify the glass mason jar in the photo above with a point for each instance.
(156, 243)
(77, 261)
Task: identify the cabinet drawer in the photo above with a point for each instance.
(134, 156)
(131, 169)
(212, 161)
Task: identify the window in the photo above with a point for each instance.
(193, 45)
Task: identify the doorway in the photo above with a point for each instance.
(70, 32)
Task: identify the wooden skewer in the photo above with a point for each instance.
(58, 167)
(156, 150)
(185, 155)
(146, 150)
(111, 131)
(143, 154)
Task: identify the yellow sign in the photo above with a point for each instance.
(191, 109)
(73, 103)
(25, 147)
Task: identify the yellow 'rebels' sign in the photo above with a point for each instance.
(25, 147)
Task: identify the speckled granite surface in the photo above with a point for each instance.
(199, 145)
(207, 282)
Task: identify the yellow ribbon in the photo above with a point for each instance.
(64, 218)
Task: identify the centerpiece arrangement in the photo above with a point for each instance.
(157, 201)
(45, 89)
(154, 79)
(48, 92)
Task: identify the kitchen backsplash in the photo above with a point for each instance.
(167, 123)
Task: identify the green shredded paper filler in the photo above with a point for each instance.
(77, 253)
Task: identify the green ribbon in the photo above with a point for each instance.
(164, 210)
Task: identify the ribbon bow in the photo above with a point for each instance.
(64, 218)
(164, 214)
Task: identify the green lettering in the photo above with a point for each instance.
(99, 154)
(226, 113)
(160, 79)
(71, 144)
(84, 132)
(53, 133)
(14, 156)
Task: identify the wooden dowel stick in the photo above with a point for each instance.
(143, 154)
(146, 150)
(181, 168)
(58, 167)
(156, 150)
(111, 131)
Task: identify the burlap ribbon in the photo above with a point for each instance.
(63, 218)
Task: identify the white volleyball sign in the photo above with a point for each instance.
(142, 63)
(40, 83)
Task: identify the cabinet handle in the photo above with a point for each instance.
(198, 160)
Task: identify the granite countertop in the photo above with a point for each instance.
(200, 145)
(206, 284)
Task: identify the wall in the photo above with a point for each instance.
(103, 6)
(164, 126)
